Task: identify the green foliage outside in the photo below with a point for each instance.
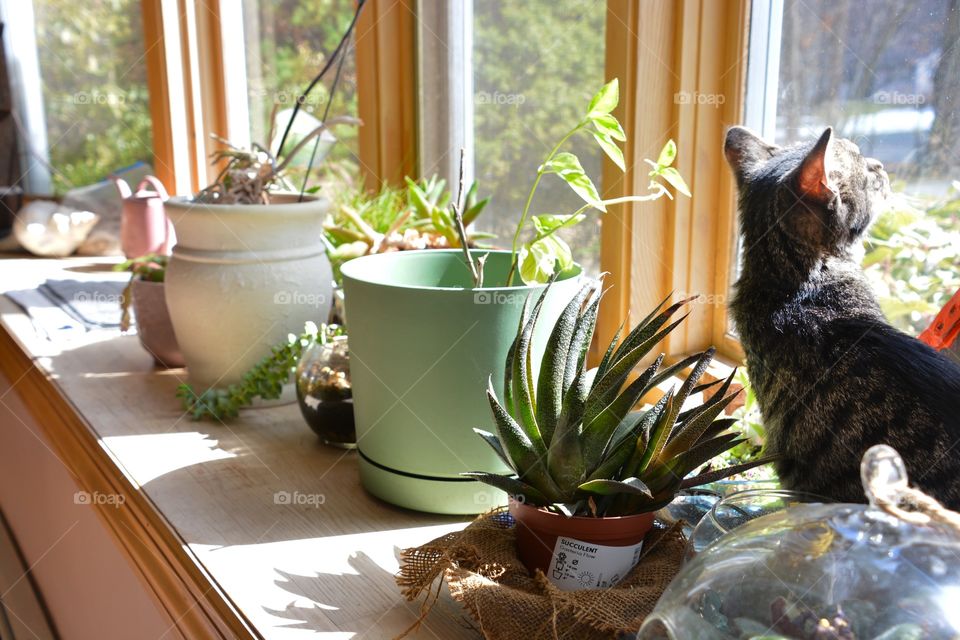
(913, 259)
(535, 67)
(94, 88)
(288, 42)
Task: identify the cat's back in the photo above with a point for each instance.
(772, 314)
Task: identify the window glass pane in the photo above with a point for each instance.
(887, 78)
(91, 57)
(529, 89)
(287, 44)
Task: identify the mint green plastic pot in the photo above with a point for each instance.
(422, 345)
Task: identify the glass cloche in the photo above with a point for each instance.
(825, 572)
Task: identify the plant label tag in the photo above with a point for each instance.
(585, 565)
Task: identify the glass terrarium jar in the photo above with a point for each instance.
(324, 392)
(739, 508)
(825, 571)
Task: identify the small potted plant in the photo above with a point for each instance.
(586, 466)
(427, 327)
(393, 219)
(146, 295)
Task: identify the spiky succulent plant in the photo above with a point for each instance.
(572, 437)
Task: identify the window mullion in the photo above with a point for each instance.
(445, 97)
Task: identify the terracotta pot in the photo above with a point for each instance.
(538, 530)
(154, 327)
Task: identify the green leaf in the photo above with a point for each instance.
(698, 455)
(695, 374)
(612, 150)
(619, 455)
(607, 387)
(580, 341)
(648, 326)
(673, 176)
(719, 474)
(603, 487)
(508, 401)
(527, 455)
(607, 359)
(523, 391)
(548, 223)
(554, 363)
(472, 206)
(513, 486)
(565, 456)
(568, 167)
(659, 433)
(668, 154)
(571, 413)
(675, 368)
(605, 100)
(690, 432)
(418, 198)
(598, 432)
(540, 260)
(497, 446)
(608, 125)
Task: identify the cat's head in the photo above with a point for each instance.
(821, 195)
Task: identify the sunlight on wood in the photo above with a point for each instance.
(351, 573)
(150, 456)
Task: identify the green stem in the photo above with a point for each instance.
(526, 207)
(570, 221)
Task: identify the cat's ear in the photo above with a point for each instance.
(745, 150)
(811, 178)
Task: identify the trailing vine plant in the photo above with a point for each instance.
(265, 380)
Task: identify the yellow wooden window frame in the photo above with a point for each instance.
(188, 96)
(658, 48)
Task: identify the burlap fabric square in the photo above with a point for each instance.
(481, 568)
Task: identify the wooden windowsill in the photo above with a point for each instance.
(201, 520)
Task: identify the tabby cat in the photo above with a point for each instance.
(831, 375)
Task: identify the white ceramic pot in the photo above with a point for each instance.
(241, 278)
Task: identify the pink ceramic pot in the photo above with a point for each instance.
(144, 227)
